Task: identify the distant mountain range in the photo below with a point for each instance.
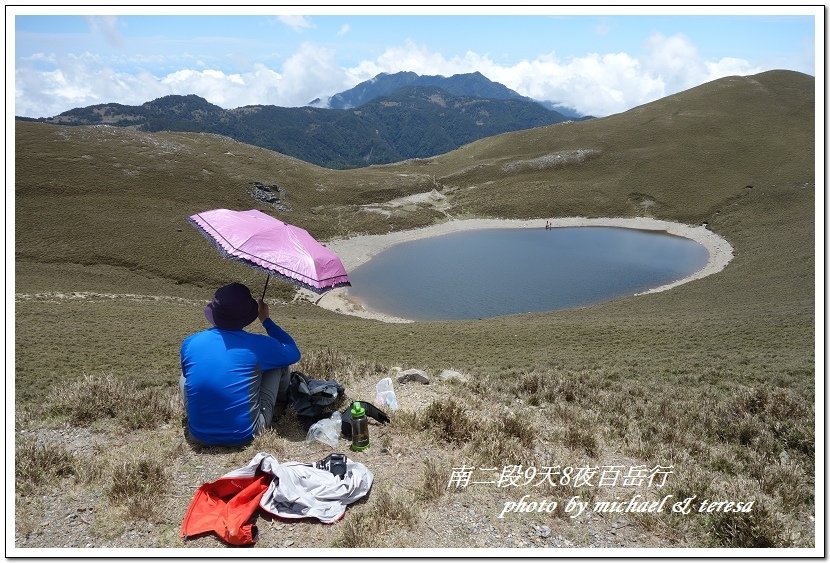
(473, 84)
(390, 118)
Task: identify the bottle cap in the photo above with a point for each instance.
(357, 409)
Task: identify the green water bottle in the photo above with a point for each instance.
(360, 427)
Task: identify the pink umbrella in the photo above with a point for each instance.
(268, 244)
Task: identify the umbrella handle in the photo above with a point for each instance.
(266, 287)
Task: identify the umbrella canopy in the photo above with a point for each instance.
(277, 248)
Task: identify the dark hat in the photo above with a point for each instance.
(232, 307)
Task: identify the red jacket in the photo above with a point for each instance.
(227, 507)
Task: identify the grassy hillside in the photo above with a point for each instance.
(716, 377)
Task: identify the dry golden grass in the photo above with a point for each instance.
(330, 363)
(137, 483)
(36, 464)
(94, 398)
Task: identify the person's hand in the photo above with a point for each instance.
(263, 311)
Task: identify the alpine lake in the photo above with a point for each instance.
(492, 272)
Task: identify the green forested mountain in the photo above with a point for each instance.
(384, 84)
(413, 122)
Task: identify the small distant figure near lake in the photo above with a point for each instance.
(547, 225)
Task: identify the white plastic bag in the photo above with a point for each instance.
(385, 396)
(326, 431)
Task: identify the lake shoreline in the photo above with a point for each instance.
(358, 250)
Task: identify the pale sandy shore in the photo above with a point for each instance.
(358, 250)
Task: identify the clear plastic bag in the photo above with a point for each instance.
(386, 394)
(326, 431)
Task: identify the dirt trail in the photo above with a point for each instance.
(58, 296)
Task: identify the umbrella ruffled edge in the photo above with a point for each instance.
(228, 256)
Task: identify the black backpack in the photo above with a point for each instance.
(312, 398)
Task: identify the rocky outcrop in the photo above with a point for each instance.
(269, 194)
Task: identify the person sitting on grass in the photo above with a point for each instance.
(232, 381)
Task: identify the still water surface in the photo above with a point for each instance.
(492, 272)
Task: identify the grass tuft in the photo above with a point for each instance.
(538, 389)
(136, 482)
(747, 530)
(36, 464)
(92, 398)
(449, 421)
(579, 439)
(357, 531)
(330, 363)
(433, 482)
(386, 511)
(393, 509)
(271, 441)
(512, 425)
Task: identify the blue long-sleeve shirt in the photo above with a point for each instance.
(223, 371)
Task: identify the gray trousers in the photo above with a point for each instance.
(273, 391)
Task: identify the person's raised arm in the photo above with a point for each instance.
(277, 333)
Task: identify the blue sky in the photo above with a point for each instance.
(597, 63)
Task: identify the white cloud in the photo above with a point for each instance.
(213, 85)
(675, 59)
(595, 84)
(344, 29)
(730, 67)
(44, 57)
(415, 58)
(78, 81)
(297, 23)
(311, 72)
